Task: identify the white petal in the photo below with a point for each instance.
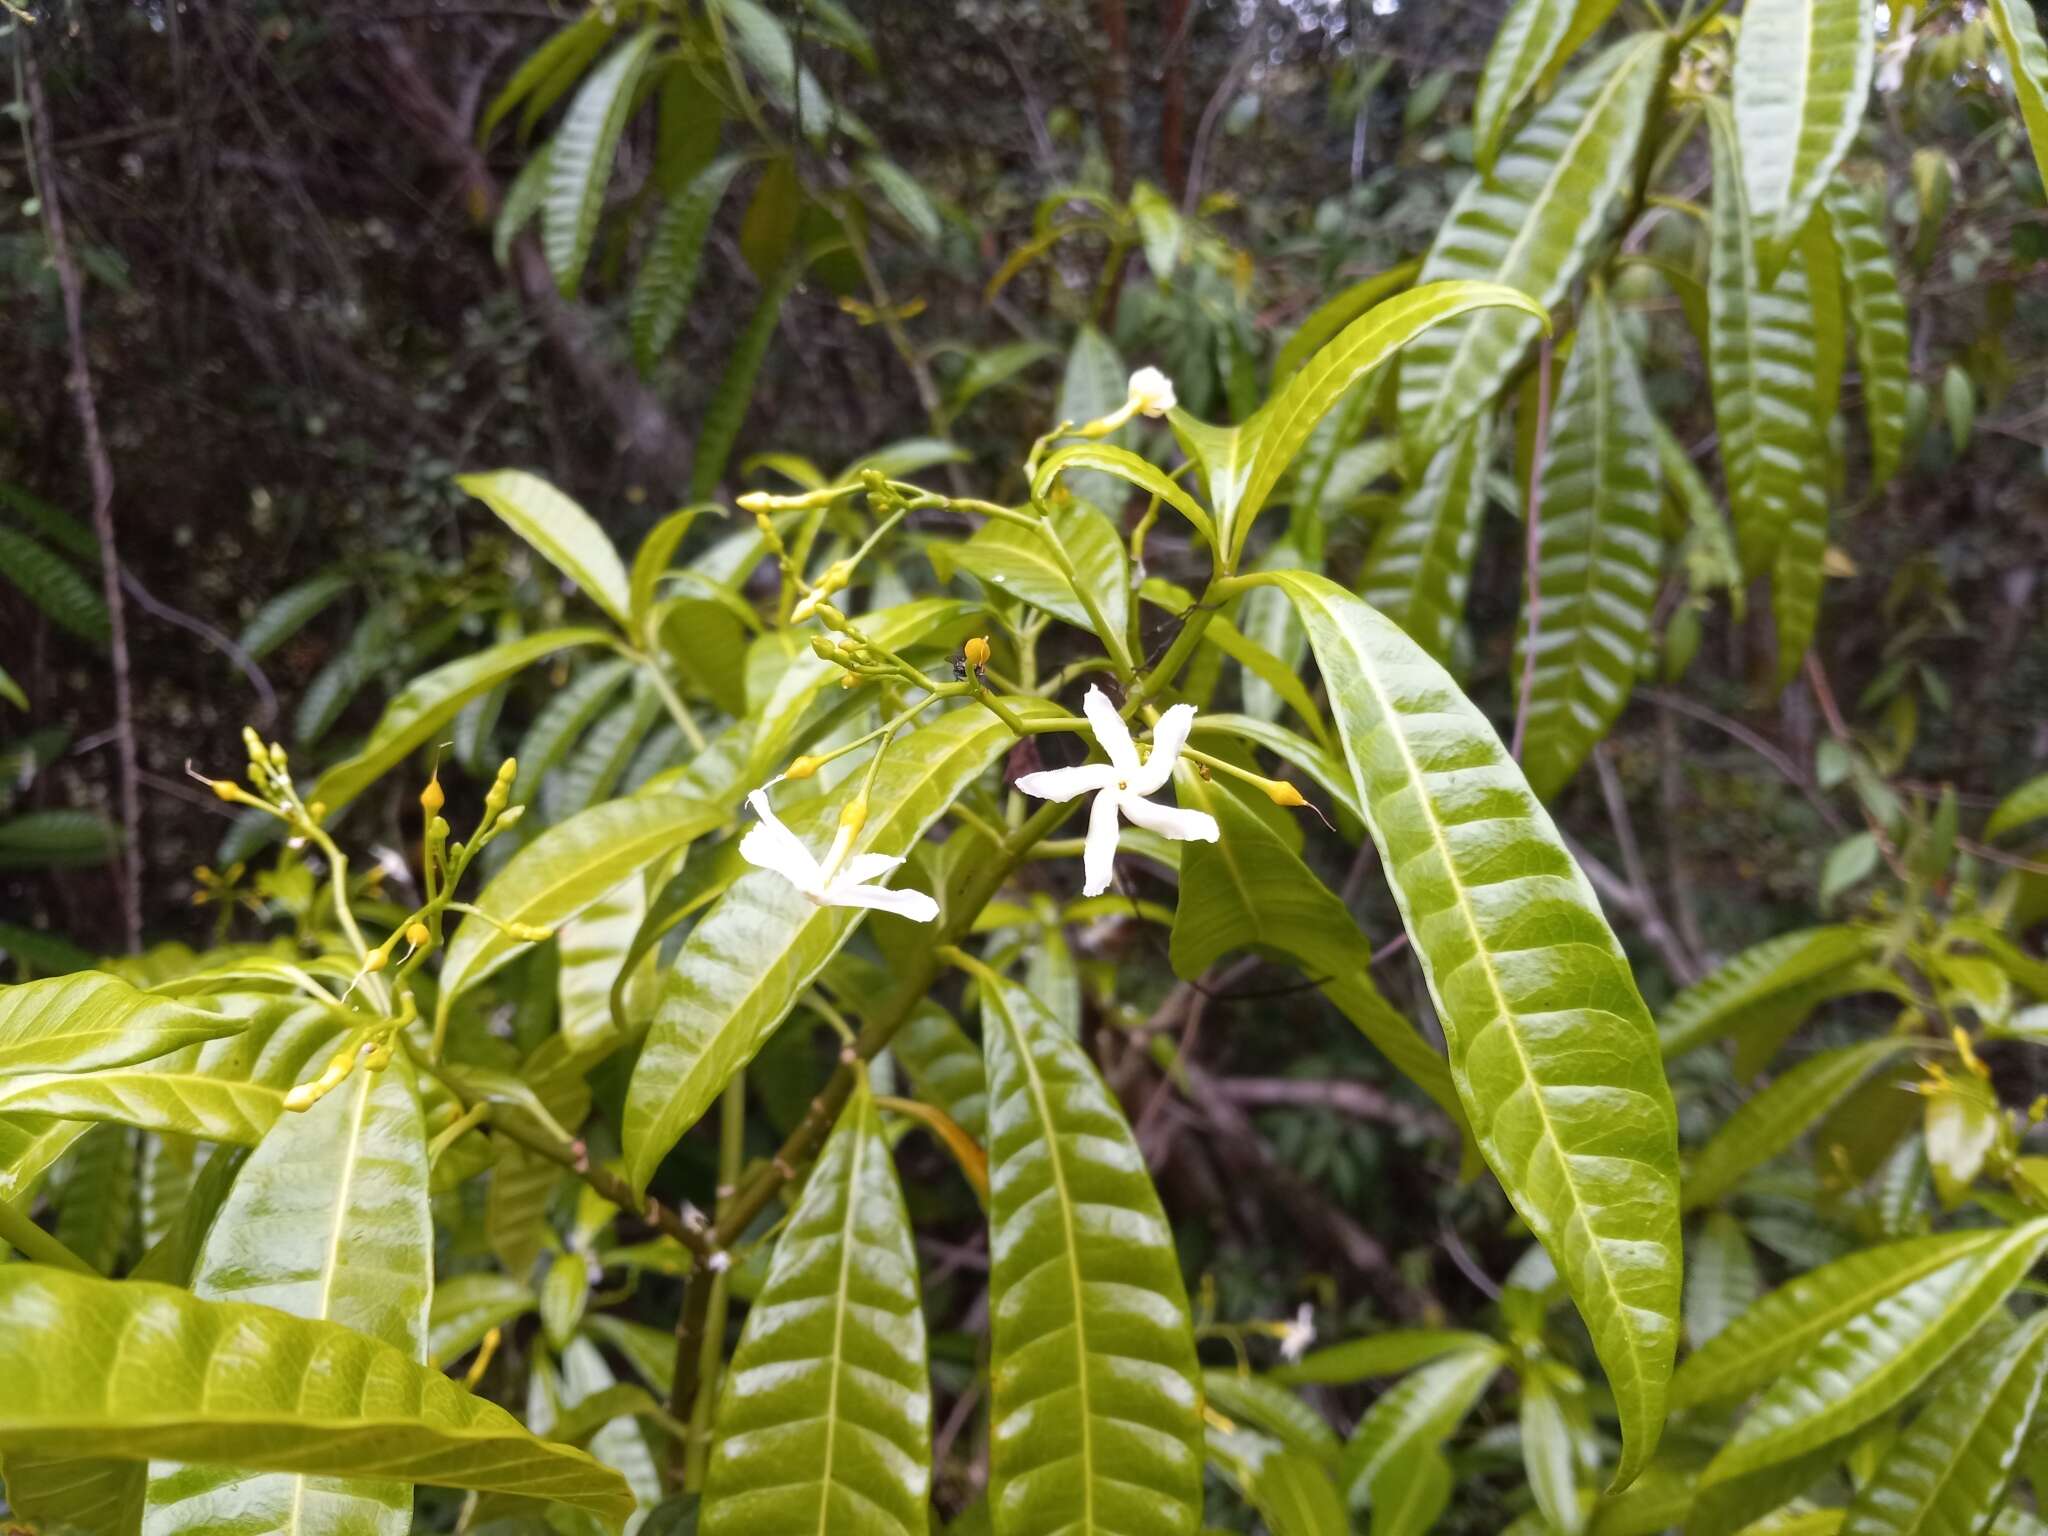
(771, 845)
(915, 905)
(1168, 737)
(1111, 734)
(1068, 783)
(1098, 854)
(1170, 820)
(865, 868)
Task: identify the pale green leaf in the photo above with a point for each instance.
(1293, 1493)
(564, 53)
(468, 1307)
(1024, 563)
(580, 157)
(945, 1066)
(2024, 806)
(1534, 37)
(1384, 1354)
(564, 535)
(1415, 1416)
(1124, 465)
(675, 255)
(88, 1021)
(1722, 1282)
(1336, 312)
(1420, 563)
(1266, 1405)
(2026, 60)
(1720, 999)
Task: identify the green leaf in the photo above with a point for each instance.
(1094, 1421)
(1530, 225)
(1723, 1283)
(2026, 59)
(1420, 563)
(562, 720)
(945, 1066)
(1800, 82)
(54, 524)
(563, 54)
(580, 157)
(1160, 230)
(1788, 1322)
(1124, 465)
(565, 535)
(1872, 1361)
(1719, 1000)
(1414, 1417)
(96, 1203)
(66, 598)
(521, 205)
(1551, 1047)
(292, 610)
(1962, 1122)
(57, 840)
(1600, 554)
(2025, 805)
(727, 410)
(1771, 1121)
(1547, 1453)
(327, 1220)
(89, 1021)
(1534, 37)
(1760, 366)
(1094, 385)
(825, 1419)
(1947, 1473)
(752, 955)
(1384, 1354)
(468, 1307)
(675, 255)
(1335, 313)
(1266, 1405)
(1021, 562)
(140, 1370)
(565, 870)
(1411, 1494)
(431, 701)
(903, 193)
(1293, 1493)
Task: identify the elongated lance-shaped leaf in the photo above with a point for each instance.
(1760, 367)
(1551, 1048)
(1600, 550)
(675, 255)
(1024, 563)
(561, 722)
(1268, 1406)
(96, 1202)
(1384, 1354)
(29, 1146)
(1126, 466)
(1790, 1320)
(580, 157)
(1336, 312)
(1856, 215)
(2022, 807)
(1420, 563)
(1534, 37)
(1802, 76)
(1548, 1455)
(1417, 1414)
(1094, 384)
(1095, 1406)
(825, 1419)
(750, 958)
(89, 1021)
(571, 48)
(2026, 59)
(1947, 1473)
(429, 702)
(1718, 1000)
(1769, 1123)
(1295, 1496)
(945, 1066)
(1529, 224)
(136, 1370)
(1872, 1361)
(560, 531)
(727, 410)
(328, 1220)
(1721, 1281)
(467, 1307)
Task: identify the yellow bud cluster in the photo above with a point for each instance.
(501, 788)
(331, 1077)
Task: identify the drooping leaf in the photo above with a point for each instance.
(1534, 37)
(1024, 563)
(825, 1419)
(1420, 563)
(1599, 553)
(1551, 1048)
(57, 840)
(1529, 224)
(1294, 1494)
(1094, 385)
(1123, 465)
(1856, 214)
(2026, 58)
(903, 193)
(46, 579)
(292, 610)
(138, 1370)
(89, 1021)
(580, 157)
(1548, 1455)
(560, 531)
(1264, 1404)
(1414, 1416)
(1719, 1000)
(430, 702)
(1384, 1354)
(566, 52)
(1801, 78)
(1094, 1413)
(2023, 807)
(328, 1220)
(675, 255)
(466, 1308)
(945, 1067)
(1335, 313)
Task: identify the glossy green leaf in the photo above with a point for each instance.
(2026, 58)
(466, 1308)
(580, 157)
(138, 1370)
(1420, 563)
(1335, 313)
(752, 955)
(521, 205)
(562, 720)
(1600, 553)
(945, 1066)
(675, 255)
(563, 871)
(2023, 807)
(1384, 1354)
(1412, 1494)
(1260, 665)
(1414, 1416)
(1760, 367)
(89, 1021)
(1124, 465)
(1534, 37)
(1268, 1406)
(1719, 1001)
(1293, 1493)
(1530, 225)
(29, 1146)
(1722, 1281)
(1551, 1048)
(1094, 384)
(564, 1291)
(727, 410)
(168, 1165)
(96, 1202)
(1963, 1119)
(825, 1420)
(1801, 80)
(1022, 562)
(292, 610)
(1548, 1455)
(1771, 1121)
(904, 194)
(1856, 214)
(430, 702)
(327, 1220)
(516, 1207)
(1874, 1359)
(1095, 1402)
(560, 531)
(657, 549)
(1947, 1473)
(41, 575)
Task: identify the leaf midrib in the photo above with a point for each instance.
(840, 1295)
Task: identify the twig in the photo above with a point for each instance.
(1686, 965)
(1205, 131)
(1817, 679)
(1628, 901)
(266, 696)
(1360, 1101)
(1535, 548)
(1757, 743)
(1670, 788)
(129, 863)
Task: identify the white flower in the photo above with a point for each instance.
(771, 845)
(1121, 785)
(1295, 1337)
(1151, 392)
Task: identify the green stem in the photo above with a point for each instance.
(18, 1231)
(670, 699)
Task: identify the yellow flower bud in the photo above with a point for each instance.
(978, 652)
(418, 935)
(803, 767)
(511, 817)
(824, 649)
(756, 501)
(431, 798)
(508, 770)
(376, 960)
(1280, 792)
(855, 815)
(226, 789)
(316, 811)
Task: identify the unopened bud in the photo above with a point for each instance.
(757, 502)
(824, 649)
(227, 789)
(437, 829)
(1280, 792)
(977, 651)
(316, 811)
(418, 935)
(431, 798)
(377, 959)
(803, 767)
(855, 814)
(510, 818)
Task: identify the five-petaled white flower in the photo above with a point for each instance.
(1295, 1337)
(1151, 392)
(839, 881)
(1121, 785)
